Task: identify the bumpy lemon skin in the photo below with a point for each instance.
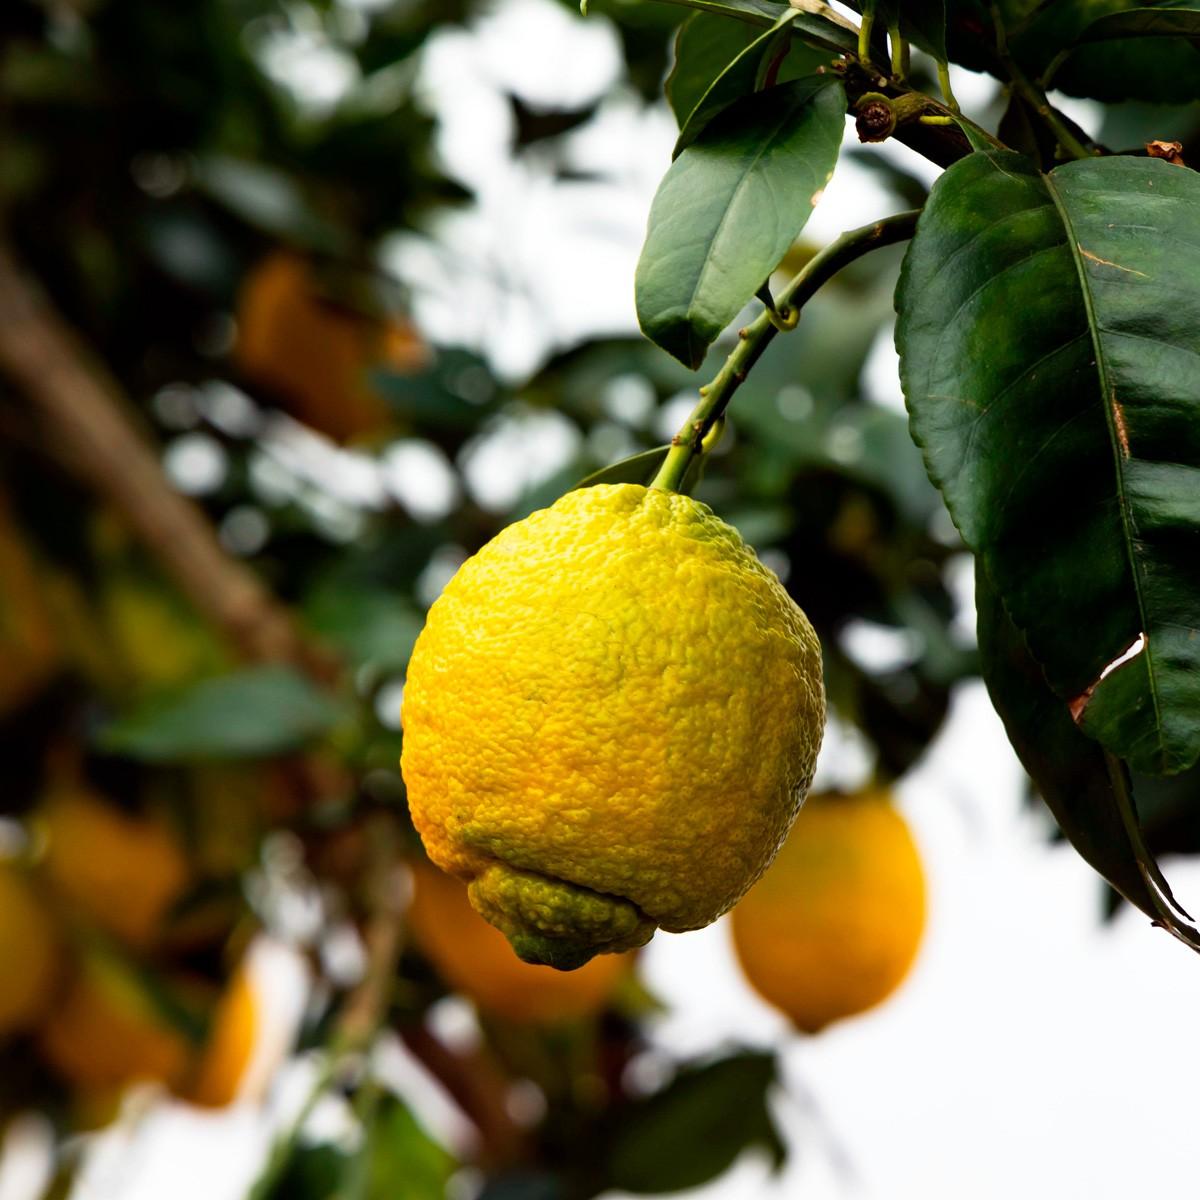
(611, 719)
(833, 928)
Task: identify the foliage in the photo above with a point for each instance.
(160, 166)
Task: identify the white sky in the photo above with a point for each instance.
(1034, 1052)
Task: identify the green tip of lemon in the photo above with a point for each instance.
(551, 922)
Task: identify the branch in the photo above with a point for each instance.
(754, 339)
(85, 423)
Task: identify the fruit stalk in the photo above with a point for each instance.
(688, 443)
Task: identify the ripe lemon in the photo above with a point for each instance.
(316, 356)
(231, 1041)
(610, 721)
(833, 927)
(122, 872)
(29, 952)
(474, 959)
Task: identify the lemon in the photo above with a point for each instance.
(236, 1027)
(123, 873)
(474, 959)
(107, 1032)
(833, 927)
(29, 952)
(611, 719)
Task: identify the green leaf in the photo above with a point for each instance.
(400, 1160)
(369, 626)
(704, 46)
(815, 30)
(1049, 334)
(637, 468)
(1068, 767)
(695, 1128)
(729, 208)
(248, 714)
(1117, 50)
(739, 78)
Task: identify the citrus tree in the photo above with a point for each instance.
(214, 563)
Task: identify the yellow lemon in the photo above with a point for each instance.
(833, 927)
(29, 952)
(315, 356)
(122, 872)
(235, 1030)
(610, 721)
(474, 959)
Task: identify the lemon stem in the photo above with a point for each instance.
(689, 442)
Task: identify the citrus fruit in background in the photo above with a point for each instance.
(315, 356)
(29, 649)
(29, 952)
(123, 873)
(474, 959)
(107, 1031)
(231, 1041)
(833, 927)
(610, 721)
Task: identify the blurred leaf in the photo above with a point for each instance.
(250, 714)
(368, 626)
(717, 228)
(696, 1127)
(399, 1161)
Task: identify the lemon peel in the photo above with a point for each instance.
(611, 719)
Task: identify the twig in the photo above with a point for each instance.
(85, 424)
(755, 337)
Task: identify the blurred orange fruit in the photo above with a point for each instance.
(29, 952)
(833, 927)
(107, 1031)
(123, 873)
(475, 959)
(29, 649)
(231, 1041)
(315, 356)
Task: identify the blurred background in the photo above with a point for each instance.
(300, 303)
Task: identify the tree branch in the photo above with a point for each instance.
(85, 423)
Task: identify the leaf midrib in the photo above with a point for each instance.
(1107, 399)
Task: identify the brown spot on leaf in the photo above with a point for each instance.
(1104, 262)
(1078, 705)
(1119, 423)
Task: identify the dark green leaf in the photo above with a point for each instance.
(367, 625)
(1049, 334)
(637, 468)
(729, 208)
(249, 714)
(1118, 50)
(813, 29)
(739, 78)
(1067, 767)
(704, 46)
(696, 1128)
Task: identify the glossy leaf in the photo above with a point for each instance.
(1117, 50)
(729, 208)
(1049, 335)
(248, 714)
(1067, 767)
(637, 468)
(704, 46)
(739, 78)
(814, 29)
